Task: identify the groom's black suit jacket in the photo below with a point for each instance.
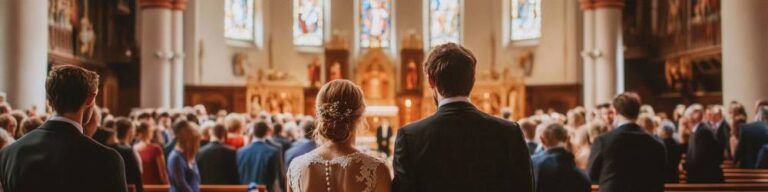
(57, 157)
(460, 148)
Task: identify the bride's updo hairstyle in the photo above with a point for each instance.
(340, 107)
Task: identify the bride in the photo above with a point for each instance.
(336, 165)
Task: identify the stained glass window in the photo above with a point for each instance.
(526, 19)
(444, 21)
(308, 22)
(375, 23)
(238, 19)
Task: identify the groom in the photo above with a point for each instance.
(459, 148)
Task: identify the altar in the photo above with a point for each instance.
(394, 87)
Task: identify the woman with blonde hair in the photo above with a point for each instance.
(581, 141)
(182, 168)
(647, 122)
(576, 118)
(336, 165)
(684, 132)
(581, 146)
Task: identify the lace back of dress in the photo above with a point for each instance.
(308, 172)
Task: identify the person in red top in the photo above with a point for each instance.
(235, 124)
(151, 154)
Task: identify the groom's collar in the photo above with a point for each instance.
(449, 100)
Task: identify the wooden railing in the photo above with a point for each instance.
(735, 180)
(711, 187)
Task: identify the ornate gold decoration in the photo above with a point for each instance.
(337, 42)
(412, 41)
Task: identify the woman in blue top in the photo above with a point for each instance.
(182, 168)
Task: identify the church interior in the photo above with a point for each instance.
(252, 57)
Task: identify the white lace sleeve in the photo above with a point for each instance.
(294, 171)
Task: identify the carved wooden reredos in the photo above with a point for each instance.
(375, 73)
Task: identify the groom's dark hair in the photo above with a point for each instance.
(451, 68)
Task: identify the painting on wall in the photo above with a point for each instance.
(375, 23)
(239, 19)
(308, 25)
(525, 19)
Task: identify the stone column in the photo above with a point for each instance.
(588, 54)
(744, 43)
(177, 66)
(607, 48)
(24, 61)
(156, 53)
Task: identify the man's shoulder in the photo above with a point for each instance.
(479, 117)
(298, 148)
(103, 151)
(258, 147)
(754, 126)
(419, 124)
(217, 147)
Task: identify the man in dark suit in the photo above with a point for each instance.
(259, 162)
(721, 128)
(704, 157)
(58, 156)
(762, 158)
(280, 138)
(459, 148)
(673, 151)
(627, 158)
(302, 146)
(555, 169)
(753, 136)
(217, 161)
(125, 131)
(383, 136)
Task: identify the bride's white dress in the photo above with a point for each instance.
(352, 172)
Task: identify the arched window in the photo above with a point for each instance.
(375, 23)
(525, 19)
(308, 22)
(444, 21)
(239, 19)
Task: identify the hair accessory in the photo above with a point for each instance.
(334, 112)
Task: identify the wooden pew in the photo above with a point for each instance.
(733, 175)
(735, 170)
(203, 188)
(711, 187)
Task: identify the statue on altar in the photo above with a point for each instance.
(375, 83)
(255, 103)
(87, 36)
(336, 72)
(490, 103)
(411, 76)
(313, 71)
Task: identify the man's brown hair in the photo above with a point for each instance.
(627, 104)
(68, 87)
(219, 131)
(451, 68)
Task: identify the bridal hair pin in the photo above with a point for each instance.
(334, 111)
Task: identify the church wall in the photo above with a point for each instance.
(4, 48)
(556, 58)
